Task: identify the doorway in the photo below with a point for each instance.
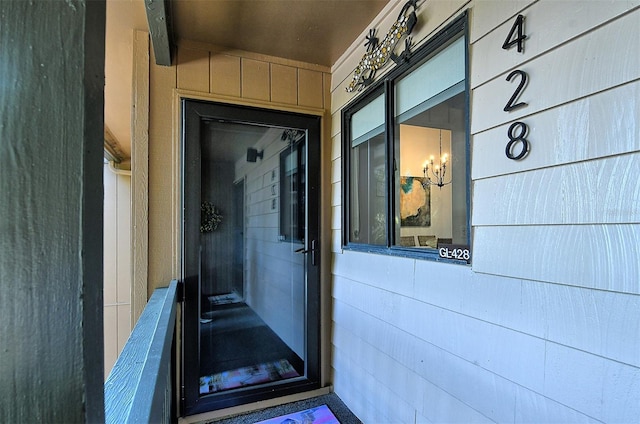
(250, 254)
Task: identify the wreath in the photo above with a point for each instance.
(210, 217)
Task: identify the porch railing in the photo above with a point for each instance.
(139, 387)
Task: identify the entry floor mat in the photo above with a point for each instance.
(225, 299)
(247, 376)
(318, 415)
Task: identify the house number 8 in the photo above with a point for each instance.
(516, 139)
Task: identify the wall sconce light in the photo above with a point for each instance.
(254, 154)
(438, 172)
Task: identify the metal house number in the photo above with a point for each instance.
(518, 130)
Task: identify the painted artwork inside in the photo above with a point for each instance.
(415, 202)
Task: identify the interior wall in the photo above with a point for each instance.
(117, 265)
(274, 275)
(216, 262)
(542, 326)
(417, 145)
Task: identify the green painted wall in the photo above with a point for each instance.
(51, 136)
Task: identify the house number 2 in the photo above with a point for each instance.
(518, 130)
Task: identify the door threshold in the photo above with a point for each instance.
(255, 406)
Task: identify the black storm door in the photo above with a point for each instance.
(250, 254)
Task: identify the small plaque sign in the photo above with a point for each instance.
(458, 252)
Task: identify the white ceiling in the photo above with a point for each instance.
(313, 31)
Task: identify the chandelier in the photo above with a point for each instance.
(436, 173)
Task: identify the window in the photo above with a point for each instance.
(292, 192)
(406, 152)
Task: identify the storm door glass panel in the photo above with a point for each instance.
(367, 182)
(253, 336)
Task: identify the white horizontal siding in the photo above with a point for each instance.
(592, 127)
(336, 193)
(572, 378)
(532, 407)
(410, 390)
(543, 327)
(569, 19)
(336, 146)
(452, 332)
(394, 274)
(488, 14)
(475, 387)
(584, 193)
(356, 384)
(602, 257)
(336, 241)
(597, 61)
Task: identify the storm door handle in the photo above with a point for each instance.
(312, 251)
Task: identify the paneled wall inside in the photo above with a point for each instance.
(216, 264)
(117, 265)
(543, 325)
(274, 274)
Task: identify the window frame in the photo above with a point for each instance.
(458, 28)
(295, 149)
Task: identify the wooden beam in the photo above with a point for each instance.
(159, 18)
(51, 213)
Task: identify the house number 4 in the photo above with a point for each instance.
(518, 130)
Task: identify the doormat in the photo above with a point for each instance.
(224, 299)
(318, 415)
(247, 376)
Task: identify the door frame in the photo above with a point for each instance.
(191, 112)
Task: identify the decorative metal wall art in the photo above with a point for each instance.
(379, 53)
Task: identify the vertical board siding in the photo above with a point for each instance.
(255, 79)
(543, 326)
(162, 83)
(310, 88)
(284, 84)
(110, 238)
(193, 70)
(140, 177)
(117, 265)
(225, 75)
